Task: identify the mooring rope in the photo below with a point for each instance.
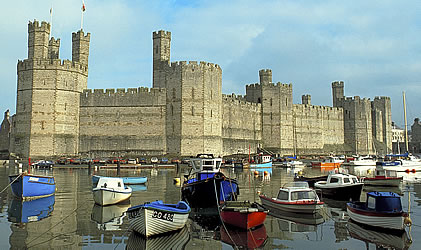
(219, 212)
(12, 182)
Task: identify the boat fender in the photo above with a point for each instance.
(256, 172)
(218, 176)
(407, 221)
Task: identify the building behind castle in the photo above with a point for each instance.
(184, 113)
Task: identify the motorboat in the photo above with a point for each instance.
(294, 197)
(340, 187)
(111, 190)
(243, 214)
(363, 161)
(381, 209)
(135, 180)
(205, 185)
(28, 186)
(329, 162)
(383, 177)
(153, 218)
(260, 161)
(310, 180)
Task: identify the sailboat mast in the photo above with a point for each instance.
(406, 124)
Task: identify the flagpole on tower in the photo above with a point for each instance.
(83, 10)
(51, 20)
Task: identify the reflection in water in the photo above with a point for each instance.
(109, 217)
(307, 221)
(397, 190)
(29, 211)
(249, 239)
(381, 239)
(140, 187)
(173, 240)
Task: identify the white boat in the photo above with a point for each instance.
(340, 187)
(381, 209)
(363, 161)
(383, 177)
(294, 197)
(157, 217)
(111, 191)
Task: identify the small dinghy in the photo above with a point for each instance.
(243, 214)
(294, 197)
(158, 217)
(126, 180)
(111, 191)
(29, 187)
(381, 209)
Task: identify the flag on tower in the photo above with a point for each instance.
(83, 6)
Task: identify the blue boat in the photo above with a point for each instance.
(261, 161)
(126, 180)
(29, 211)
(206, 186)
(28, 187)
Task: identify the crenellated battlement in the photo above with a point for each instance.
(80, 35)
(192, 65)
(239, 100)
(382, 98)
(35, 26)
(54, 42)
(265, 71)
(338, 84)
(161, 34)
(57, 64)
(356, 99)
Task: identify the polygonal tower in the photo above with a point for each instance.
(48, 95)
(338, 93)
(161, 57)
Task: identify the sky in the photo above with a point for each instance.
(373, 46)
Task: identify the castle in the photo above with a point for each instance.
(184, 113)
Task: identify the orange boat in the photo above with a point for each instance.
(243, 214)
(330, 162)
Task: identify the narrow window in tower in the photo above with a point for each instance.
(270, 101)
(192, 111)
(172, 109)
(156, 49)
(211, 112)
(65, 106)
(286, 101)
(173, 93)
(192, 93)
(271, 116)
(43, 125)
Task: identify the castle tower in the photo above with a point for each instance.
(161, 57)
(54, 48)
(38, 40)
(265, 76)
(48, 95)
(338, 93)
(382, 106)
(80, 47)
(306, 99)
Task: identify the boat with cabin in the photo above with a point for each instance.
(206, 180)
(111, 190)
(294, 197)
(384, 177)
(260, 161)
(243, 214)
(330, 162)
(381, 209)
(363, 161)
(157, 217)
(340, 187)
(29, 187)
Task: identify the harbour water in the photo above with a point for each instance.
(70, 220)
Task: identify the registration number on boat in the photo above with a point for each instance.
(163, 215)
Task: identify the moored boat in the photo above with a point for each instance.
(206, 180)
(28, 187)
(294, 197)
(340, 187)
(310, 180)
(363, 161)
(135, 180)
(383, 177)
(260, 161)
(158, 217)
(243, 214)
(381, 209)
(110, 190)
(329, 162)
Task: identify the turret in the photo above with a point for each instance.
(80, 47)
(54, 48)
(161, 56)
(265, 76)
(337, 93)
(38, 40)
(306, 99)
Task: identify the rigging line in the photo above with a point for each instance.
(59, 235)
(122, 238)
(12, 182)
(219, 212)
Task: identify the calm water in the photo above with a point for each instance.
(70, 220)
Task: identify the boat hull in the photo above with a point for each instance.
(126, 180)
(342, 192)
(259, 165)
(243, 214)
(150, 221)
(296, 207)
(392, 182)
(202, 193)
(29, 187)
(107, 196)
(395, 221)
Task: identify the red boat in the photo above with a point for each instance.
(241, 239)
(243, 214)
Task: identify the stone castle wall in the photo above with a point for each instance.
(241, 125)
(120, 122)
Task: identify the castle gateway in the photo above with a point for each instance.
(184, 113)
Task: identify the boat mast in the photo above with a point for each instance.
(406, 125)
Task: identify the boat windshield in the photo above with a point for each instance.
(301, 195)
(297, 184)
